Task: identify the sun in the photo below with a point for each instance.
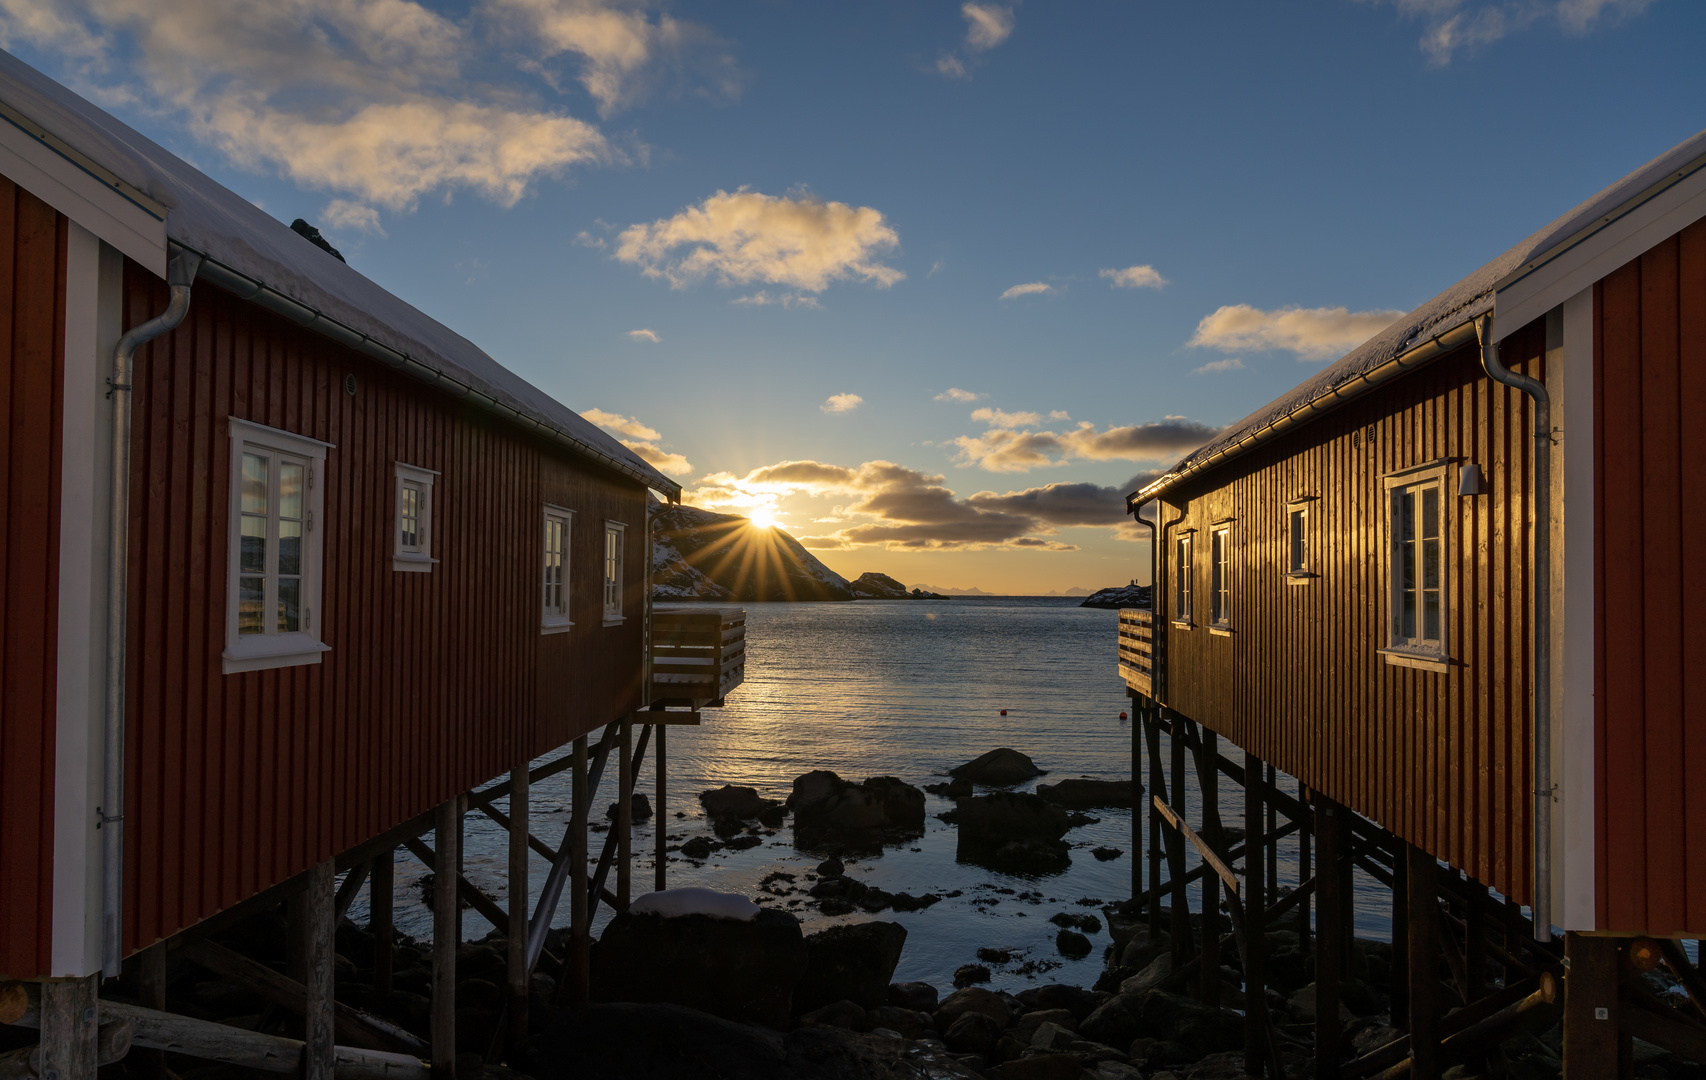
(763, 518)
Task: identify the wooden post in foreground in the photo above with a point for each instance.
(1157, 787)
(1137, 799)
(1421, 911)
(379, 893)
(1591, 1037)
(1400, 970)
(580, 934)
(69, 1026)
(1255, 930)
(1208, 780)
(1181, 928)
(660, 763)
(317, 1055)
(152, 963)
(518, 895)
(446, 907)
(1330, 826)
(625, 815)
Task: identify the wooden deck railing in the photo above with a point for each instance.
(1138, 650)
(698, 653)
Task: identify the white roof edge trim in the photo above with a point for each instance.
(246, 288)
(1660, 213)
(40, 167)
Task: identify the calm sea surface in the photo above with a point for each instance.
(907, 689)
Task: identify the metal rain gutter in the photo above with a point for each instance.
(249, 289)
(1436, 346)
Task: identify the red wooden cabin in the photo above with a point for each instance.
(364, 567)
(1348, 580)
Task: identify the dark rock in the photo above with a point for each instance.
(1011, 830)
(908, 902)
(967, 974)
(1027, 1025)
(918, 996)
(729, 801)
(838, 886)
(697, 848)
(1086, 794)
(825, 802)
(836, 905)
(842, 1014)
(1075, 921)
(479, 994)
(972, 1033)
(953, 789)
(1078, 819)
(910, 1023)
(741, 843)
(772, 816)
(856, 962)
(998, 768)
(1116, 1021)
(1106, 854)
(1119, 596)
(973, 999)
(744, 971)
(995, 956)
(640, 807)
(875, 900)
(1039, 1067)
(831, 867)
(874, 586)
(1185, 1020)
(1071, 943)
(1074, 999)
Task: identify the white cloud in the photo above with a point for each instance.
(1030, 288)
(365, 98)
(952, 66)
(1231, 363)
(645, 335)
(997, 418)
(342, 214)
(1451, 25)
(1003, 449)
(762, 298)
(1135, 277)
(1311, 333)
(1059, 414)
(587, 240)
(988, 25)
(841, 403)
(623, 53)
(954, 393)
(800, 242)
(642, 440)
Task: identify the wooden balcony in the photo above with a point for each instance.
(698, 654)
(1139, 651)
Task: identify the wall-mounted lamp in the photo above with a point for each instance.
(1470, 481)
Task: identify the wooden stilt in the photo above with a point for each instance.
(1305, 870)
(380, 894)
(518, 905)
(580, 933)
(461, 848)
(625, 817)
(317, 1057)
(660, 842)
(1157, 786)
(152, 965)
(69, 1029)
(1208, 779)
(1475, 942)
(1330, 937)
(446, 909)
(1591, 1035)
(1422, 914)
(1400, 970)
(1136, 800)
(1255, 927)
(1181, 929)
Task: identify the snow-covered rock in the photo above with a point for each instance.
(674, 903)
(1119, 596)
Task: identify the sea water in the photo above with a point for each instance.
(906, 689)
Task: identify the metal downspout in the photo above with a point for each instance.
(1542, 578)
(180, 274)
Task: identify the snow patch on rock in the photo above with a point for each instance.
(672, 903)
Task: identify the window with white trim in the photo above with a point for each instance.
(1220, 578)
(1297, 540)
(1182, 578)
(1417, 564)
(615, 534)
(274, 561)
(554, 615)
(412, 541)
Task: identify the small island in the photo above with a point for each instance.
(1119, 596)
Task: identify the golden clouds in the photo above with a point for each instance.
(641, 439)
(1003, 449)
(1311, 333)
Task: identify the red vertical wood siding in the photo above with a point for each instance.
(1442, 759)
(1649, 586)
(32, 379)
(435, 682)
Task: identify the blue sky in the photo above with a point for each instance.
(549, 176)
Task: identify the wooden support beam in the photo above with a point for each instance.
(319, 901)
(1235, 853)
(1687, 974)
(1663, 1029)
(1330, 828)
(112, 1043)
(446, 904)
(1305, 872)
(1474, 946)
(595, 890)
(465, 889)
(1208, 782)
(380, 898)
(69, 1028)
(349, 890)
(350, 1026)
(486, 795)
(1384, 1057)
(586, 779)
(532, 841)
(1181, 928)
(1421, 912)
(1400, 966)
(574, 988)
(624, 826)
(1137, 798)
(1535, 1013)
(390, 840)
(660, 800)
(151, 964)
(669, 717)
(520, 786)
(1213, 861)
(1257, 1032)
(1272, 843)
(1157, 786)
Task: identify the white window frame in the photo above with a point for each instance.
(1220, 577)
(556, 622)
(1184, 569)
(271, 649)
(1299, 541)
(1401, 648)
(416, 559)
(614, 562)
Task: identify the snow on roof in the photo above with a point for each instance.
(205, 216)
(1462, 303)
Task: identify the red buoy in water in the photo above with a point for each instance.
(1003, 712)
(1122, 716)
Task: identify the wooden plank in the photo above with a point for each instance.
(519, 970)
(1330, 944)
(445, 942)
(1421, 915)
(1591, 1006)
(317, 1058)
(1221, 870)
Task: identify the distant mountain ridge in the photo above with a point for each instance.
(701, 555)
